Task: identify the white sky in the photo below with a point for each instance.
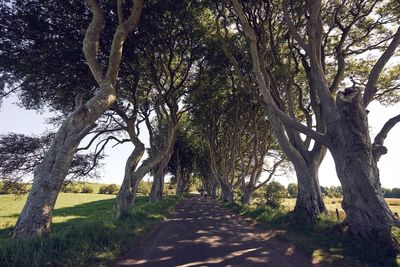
(18, 120)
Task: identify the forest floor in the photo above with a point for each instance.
(200, 232)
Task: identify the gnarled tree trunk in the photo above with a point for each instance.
(157, 188)
(309, 202)
(247, 196)
(226, 192)
(126, 193)
(180, 185)
(368, 216)
(36, 216)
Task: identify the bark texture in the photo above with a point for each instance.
(157, 188)
(368, 215)
(309, 202)
(226, 192)
(126, 193)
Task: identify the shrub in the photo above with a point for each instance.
(110, 189)
(87, 189)
(144, 188)
(10, 187)
(392, 193)
(292, 190)
(275, 194)
(169, 189)
(69, 187)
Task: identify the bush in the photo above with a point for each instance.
(169, 189)
(69, 187)
(111, 189)
(332, 192)
(144, 188)
(292, 190)
(10, 187)
(275, 194)
(87, 189)
(392, 193)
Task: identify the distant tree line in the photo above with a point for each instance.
(391, 193)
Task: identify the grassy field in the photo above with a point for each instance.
(320, 240)
(11, 206)
(84, 232)
(336, 203)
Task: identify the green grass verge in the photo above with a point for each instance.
(319, 240)
(11, 206)
(90, 236)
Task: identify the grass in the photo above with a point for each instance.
(320, 240)
(84, 231)
(336, 203)
(11, 206)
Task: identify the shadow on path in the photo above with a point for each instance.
(201, 233)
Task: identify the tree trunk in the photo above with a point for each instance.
(36, 216)
(226, 192)
(126, 193)
(157, 188)
(180, 185)
(309, 203)
(368, 216)
(247, 196)
(213, 189)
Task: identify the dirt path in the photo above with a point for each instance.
(201, 233)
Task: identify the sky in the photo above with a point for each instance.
(18, 120)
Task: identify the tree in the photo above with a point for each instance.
(286, 93)
(349, 29)
(35, 218)
(170, 63)
(181, 163)
(292, 190)
(110, 189)
(21, 154)
(87, 189)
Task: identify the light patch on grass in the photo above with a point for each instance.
(336, 203)
(11, 206)
(320, 256)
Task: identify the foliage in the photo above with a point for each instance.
(332, 192)
(70, 187)
(392, 193)
(292, 190)
(275, 193)
(110, 189)
(93, 238)
(11, 187)
(87, 189)
(20, 154)
(144, 188)
(169, 189)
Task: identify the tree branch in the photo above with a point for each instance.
(370, 89)
(378, 148)
(91, 40)
(120, 35)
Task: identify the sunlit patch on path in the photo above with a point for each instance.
(201, 233)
